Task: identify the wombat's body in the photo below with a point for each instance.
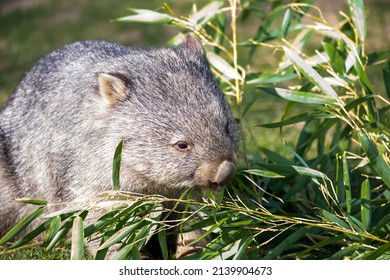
(59, 130)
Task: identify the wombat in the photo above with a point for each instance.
(59, 129)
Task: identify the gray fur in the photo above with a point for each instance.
(59, 129)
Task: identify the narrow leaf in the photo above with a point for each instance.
(35, 201)
(223, 66)
(204, 15)
(22, 225)
(116, 166)
(53, 229)
(286, 243)
(347, 184)
(162, 240)
(356, 8)
(77, 249)
(264, 173)
(119, 235)
(286, 22)
(244, 243)
(147, 16)
(365, 206)
(60, 234)
(310, 73)
(300, 96)
(289, 121)
(377, 162)
(375, 254)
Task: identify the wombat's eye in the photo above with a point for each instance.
(182, 146)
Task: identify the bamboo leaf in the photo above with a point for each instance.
(244, 243)
(365, 206)
(223, 66)
(270, 78)
(356, 8)
(146, 16)
(162, 240)
(35, 201)
(286, 22)
(285, 244)
(120, 234)
(65, 228)
(300, 96)
(334, 219)
(53, 229)
(376, 160)
(310, 73)
(329, 241)
(22, 225)
(375, 254)
(347, 183)
(205, 14)
(116, 166)
(77, 249)
(31, 235)
(289, 121)
(264, 173)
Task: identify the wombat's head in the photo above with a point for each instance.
(177, 127)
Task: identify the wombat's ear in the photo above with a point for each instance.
(112, 87)
(194, 45)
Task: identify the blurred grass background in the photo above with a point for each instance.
(29, 29)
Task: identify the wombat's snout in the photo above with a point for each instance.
(215, 175)
(225, 173)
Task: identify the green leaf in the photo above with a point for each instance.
(35, 201)
(65, 228)
(329, 241)
(146, 16)
(31, 235)
(244, 243)
(162, 240)
(120, 234)
(300, 96)
(116, 166)
(289, 121)
(365, 206)
(335, 58)
(204, 15)
(77, 249)
(375, 254)
(23, 224)
(264, 173)
(334, 219)
(53, 229)
(286, 22)
(270, 78)
(357, 10)
(285, 244)
(347, 183)
(376, 160)
(223, 66)
(310, 73)
(382, 228)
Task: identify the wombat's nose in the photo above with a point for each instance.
(225, 173)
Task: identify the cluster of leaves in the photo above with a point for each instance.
(329, 199)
